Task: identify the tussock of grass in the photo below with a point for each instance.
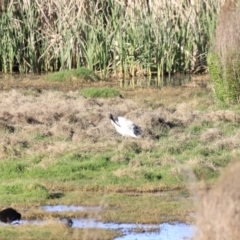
(211, 134)
(223, 115)
(95, 92)
(67, 75)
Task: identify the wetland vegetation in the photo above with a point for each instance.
(113, 38)
(57, 145)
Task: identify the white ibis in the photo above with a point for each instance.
(125, 127)
(9, 215)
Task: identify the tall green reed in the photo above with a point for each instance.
(107, 36)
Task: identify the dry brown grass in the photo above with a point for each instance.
(227, 33)
(54, 231)
(211, 134)
(218, 215)
(31, 117)
(74, 121)
(222, 115)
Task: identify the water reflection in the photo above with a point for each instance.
(172, 80)
(164, 231)
(130, 231)
(176, 231)
(65, 208)
(91, 223)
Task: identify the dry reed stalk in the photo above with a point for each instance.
(218, 215)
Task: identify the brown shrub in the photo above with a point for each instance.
(232, 142)
(218, 216)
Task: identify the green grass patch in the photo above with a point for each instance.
(66, 75)
(94, 92)
(96, 170)
(22, 192)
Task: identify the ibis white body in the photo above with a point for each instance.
(125, 127)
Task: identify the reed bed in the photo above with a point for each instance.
(114, 38)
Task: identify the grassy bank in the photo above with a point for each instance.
(67, 139)
(58, 147)
(54, 232)
(114, 38)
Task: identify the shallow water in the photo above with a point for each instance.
(130, 231)
(65, 208)
(176, 231)
(164, 231)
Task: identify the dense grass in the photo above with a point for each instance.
(98, 169)
(158, 37)
(132, 167)
(67, 75)
(93, 92)
(224, 64)
(23, 192)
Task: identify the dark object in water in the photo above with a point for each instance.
(9, 215)
(67, 221)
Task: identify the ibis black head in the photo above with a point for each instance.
(114, 119)
(111, 116)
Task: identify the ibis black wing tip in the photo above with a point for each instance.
(110, 116)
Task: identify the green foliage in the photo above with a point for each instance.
(215, 70)
(22, 192)
(226, 78)
(66, 75)
(224, 60)
(11, 169)
(233, 77)
(152, 176)
(204, 173)
(95, 92)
